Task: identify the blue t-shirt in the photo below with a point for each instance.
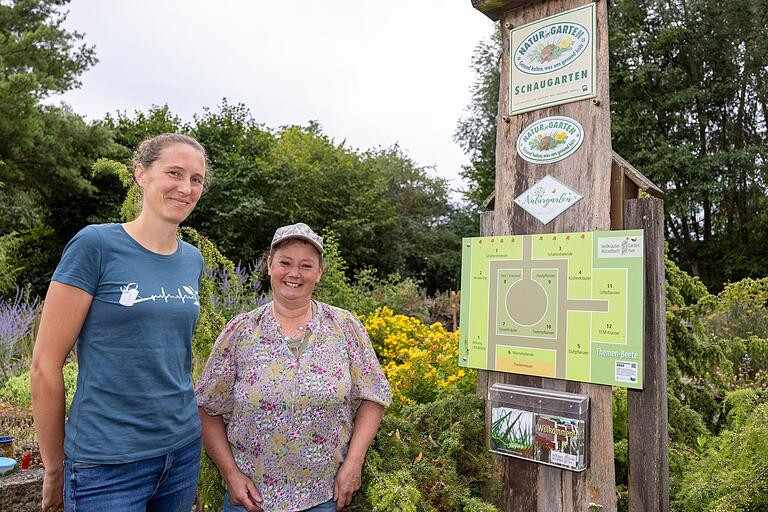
(134, 397)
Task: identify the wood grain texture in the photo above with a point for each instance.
(494, 9)
(529, 486)
(647, 409)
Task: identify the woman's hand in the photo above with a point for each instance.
(243, 492)
(53, 489)
(240, 487)
(346, 483)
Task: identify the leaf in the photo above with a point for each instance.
(397, 433)
(418, 458)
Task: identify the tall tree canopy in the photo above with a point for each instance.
(689, 86)
(689, 92)
(476, 133)
(42, 148)
(385, 211)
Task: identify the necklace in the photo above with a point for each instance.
(298, 336)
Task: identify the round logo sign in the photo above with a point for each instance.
(549, 140)
(551, 47)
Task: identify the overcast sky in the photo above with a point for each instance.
(372, 72)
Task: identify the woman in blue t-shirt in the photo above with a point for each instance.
(127, 294)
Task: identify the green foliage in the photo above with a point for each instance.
(732, 474)
(34, 253)
(693, 356)
(334, 287)
(476, 133)
(211, 487)
(688, 100)
(367, 292)
(9, 268)
(40, 146)
(430, 458)
(385, 211)
(131, 207)
(17, 391)
(210, 323)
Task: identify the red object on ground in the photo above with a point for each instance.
(25, 461)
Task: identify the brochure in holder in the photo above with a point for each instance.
(540, 425)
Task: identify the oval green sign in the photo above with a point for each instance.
(549, 139)
(551, 48)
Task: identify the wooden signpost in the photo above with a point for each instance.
(545, 42)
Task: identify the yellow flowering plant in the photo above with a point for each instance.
(418, 359)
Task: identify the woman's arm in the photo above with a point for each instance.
(240, 487)
(64, 312)
(349, 476)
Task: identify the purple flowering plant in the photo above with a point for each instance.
(17, 318)
(238, 291)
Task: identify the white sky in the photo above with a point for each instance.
(372, 72)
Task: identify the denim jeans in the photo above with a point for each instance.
(328, 506)
(161, 484)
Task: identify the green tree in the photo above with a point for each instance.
(39, 146)
(385, 211)
(689, 86)
(476, 133)
(423, 241)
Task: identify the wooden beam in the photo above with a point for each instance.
(647, 409)
(637, 177)
(494, 9)
(527, 486)
(617, 196)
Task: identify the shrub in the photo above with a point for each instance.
(430, 458)
(366, 292)
(237, 291)
(17, 391)
(731, 471)
(419, 360)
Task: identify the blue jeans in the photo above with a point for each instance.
(167, 483)
(328, 506)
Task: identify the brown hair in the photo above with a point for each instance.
(149, 151)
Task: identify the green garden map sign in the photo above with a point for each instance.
(565, 305)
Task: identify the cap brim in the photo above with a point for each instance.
(298, 237)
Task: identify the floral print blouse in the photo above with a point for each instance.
(289, 419)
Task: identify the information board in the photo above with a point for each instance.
(564, 305)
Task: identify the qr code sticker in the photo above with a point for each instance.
(626, 372)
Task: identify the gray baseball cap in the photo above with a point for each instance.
(299, 231)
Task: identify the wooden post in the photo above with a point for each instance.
(648, 435)
(526, 486)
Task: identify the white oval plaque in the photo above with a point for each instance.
(549, 140)
(551, 48)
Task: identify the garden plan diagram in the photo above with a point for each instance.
(562, 305)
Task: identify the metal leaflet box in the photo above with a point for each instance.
(540, 425)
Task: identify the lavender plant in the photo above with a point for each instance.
(17, 318)
(238, 291)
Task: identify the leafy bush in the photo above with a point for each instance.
(430, 458)
(418, 359)
(8, 268)
(17, 391)
(731, 472)
(367, 291)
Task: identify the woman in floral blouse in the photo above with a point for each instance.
(293, 394)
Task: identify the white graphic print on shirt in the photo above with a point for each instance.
(130, 295)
